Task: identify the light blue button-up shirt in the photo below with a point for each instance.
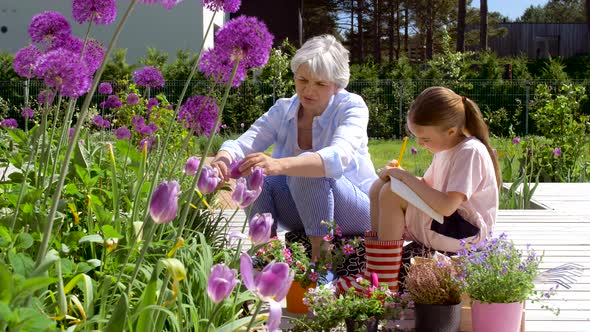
(339, 137)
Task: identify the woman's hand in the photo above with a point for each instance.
(221, 162)
(270, 165)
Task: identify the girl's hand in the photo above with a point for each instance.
(270, 165)
(396, 172)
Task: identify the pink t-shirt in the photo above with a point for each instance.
(468, 169)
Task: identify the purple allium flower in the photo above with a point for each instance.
(228, 6)
(414, 150)
(27, 113)
(557, 152)
(246, 39)
(151, 103)
(112, 102)
(260, 228)
(24, 61)
(123, 133)
(9, 123)
(516, 140)
(147, 142)
(198, 114)
(271, 285)
(100, 122)
(132, 99)
(138, 122)
(208, 180)
(223, 126)
(105, 88)
(256, 179)
(222, 281)
(220, 68)
(145, 130)
(149, 77)
(46, 26)
(164, 203)
(191, 166)
(100, 11)
(45, 96)
(93, 50)
(61, 69)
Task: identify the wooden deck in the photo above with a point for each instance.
(562, 232)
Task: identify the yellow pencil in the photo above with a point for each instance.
(401, 153)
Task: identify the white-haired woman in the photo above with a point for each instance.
(320, 168)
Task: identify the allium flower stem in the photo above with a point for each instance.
(32, 156)
(64, 133)
(47, 150)
(40, 181)
(115, 186)
(87, 35)
(171, 124)
(81, 118)
(186, 207)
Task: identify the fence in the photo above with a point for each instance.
(504, 103)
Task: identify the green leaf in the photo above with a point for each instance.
(5, 284)
(31, 285)
(119, 316)
(146, 319)
(27, 208)
(85, 283)
(50, 258)
(82, 157)
(110, 233)
(21, 263)
(234, 325)
(5, 237)
(71, 189)
(34, 320)
(24, 241)
(95, 238)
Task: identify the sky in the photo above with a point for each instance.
(510, 8)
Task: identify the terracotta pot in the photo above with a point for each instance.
(437, 317)
(295, 298)
(492, 317)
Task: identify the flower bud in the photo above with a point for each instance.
(242, 196)
(234, 169)
(256, 179)
(222, 281)
(260, 228)
(164, 203)
(208, 180)
(191, 166)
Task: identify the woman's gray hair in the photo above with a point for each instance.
(326, 58)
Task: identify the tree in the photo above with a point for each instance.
(556, 11)
(483, 24)
(461, 13)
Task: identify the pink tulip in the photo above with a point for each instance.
(260, 228)
(208, 180)
(222, 281)
(191, 166)
(164, 203)
(242, 196)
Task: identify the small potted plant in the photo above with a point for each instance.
(435, 287)
(499, 278)
(357, 311)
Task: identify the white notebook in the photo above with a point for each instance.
(411, 197)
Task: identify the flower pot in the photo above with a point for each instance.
(491, 317)
(438, 317)
(295, 298)
(371, 324)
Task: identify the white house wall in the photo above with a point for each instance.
(182, 27)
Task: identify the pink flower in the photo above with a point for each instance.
(348, 249)
(515, 140)
(557, 152)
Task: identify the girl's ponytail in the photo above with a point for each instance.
(477, 127)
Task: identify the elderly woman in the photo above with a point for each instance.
(320, 168)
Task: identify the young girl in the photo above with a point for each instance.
(461, 183)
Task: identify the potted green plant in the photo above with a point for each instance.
(499, 278)
(356, 311)
(435, 287)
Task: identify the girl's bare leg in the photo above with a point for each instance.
(391, 218)
(374, 193)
